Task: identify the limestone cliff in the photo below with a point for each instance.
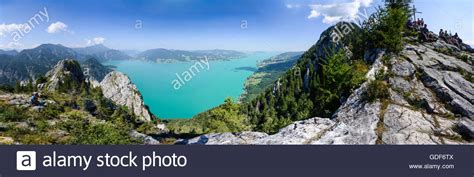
(67, 76)
(118, 87)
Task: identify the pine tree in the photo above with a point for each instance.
(398, 3)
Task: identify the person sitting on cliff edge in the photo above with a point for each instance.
(426, 35)
(34, 100)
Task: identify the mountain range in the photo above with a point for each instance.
(166, 55)
(28, 64)
(102, 53)
(8, 52)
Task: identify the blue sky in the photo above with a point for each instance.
(249, 25)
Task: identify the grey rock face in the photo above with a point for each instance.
(402, 68)
(118, 88)
(405, 126)
(37, 108)
(441, 73)
(400, 83)
(397, 98)
(300, 132)
(357, 121)
(439, 82)
(225, 138)
(466, 128)
(147, 140)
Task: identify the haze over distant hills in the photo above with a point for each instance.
(8, 52)
(102, 53)
(30, 63)
(166, 55)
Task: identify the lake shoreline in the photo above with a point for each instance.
(204, 91)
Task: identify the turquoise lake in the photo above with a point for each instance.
(206, 89)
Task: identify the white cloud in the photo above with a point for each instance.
(95, 41)
(8, 28)
(99, 40)
(365, 3)
(313, 14)
(57, 27)
(333, 13)
(291, 6)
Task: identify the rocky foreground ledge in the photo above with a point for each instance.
(431, 101)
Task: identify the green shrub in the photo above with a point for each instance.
(338, 80)
(35, 139)
(147, 128)
(224, 118)
(41, 79)
(12, 113)
(84, 132)
(466, 75)
(186, 126)
(376, 89)
(445, 50)
(381, 75)
(385, 28)
(28, 88)
(466, 58)
(7, 88)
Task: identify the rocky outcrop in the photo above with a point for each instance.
(225, 138)
(466, 128)
(430, 102)
(66, 74)
(118, 88)
(442, 74)
(405, 126)
(147, 140)
(357, 122)
(301, 132)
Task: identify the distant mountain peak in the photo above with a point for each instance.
(98, 46)
(101, 53)
(49, 45)
(65, 76)
(8, 52)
